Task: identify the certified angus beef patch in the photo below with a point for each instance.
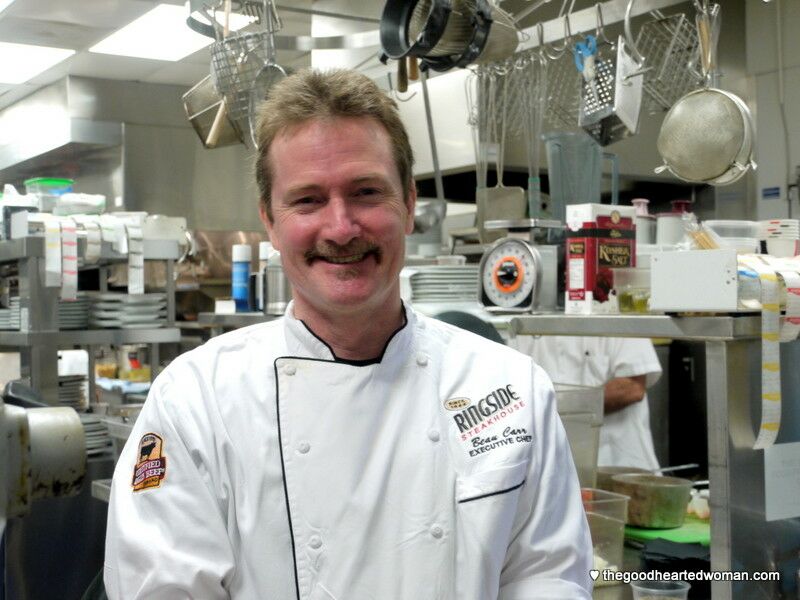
(151, 464)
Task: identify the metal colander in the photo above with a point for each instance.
(459, 31)
(235, 63)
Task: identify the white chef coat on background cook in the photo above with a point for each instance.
(625, 437)
(291, 475)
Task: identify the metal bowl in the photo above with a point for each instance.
(656, 502)
(605, 475)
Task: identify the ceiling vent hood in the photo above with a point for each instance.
(52, 130)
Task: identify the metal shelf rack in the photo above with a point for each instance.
(741, 537)
(39, 337)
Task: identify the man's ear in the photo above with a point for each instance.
(268, 225)
(411, 203)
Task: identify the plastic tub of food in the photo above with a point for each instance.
(605, 512)
(581, 412)
(656, 502)
(660, 590)
(48, 190)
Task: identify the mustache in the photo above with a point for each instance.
(326, 250)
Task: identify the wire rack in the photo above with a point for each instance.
(235, 63)
(671, 50)
(563, 92)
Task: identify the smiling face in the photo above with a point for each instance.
(339, 217)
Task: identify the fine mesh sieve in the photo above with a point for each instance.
(708, 135)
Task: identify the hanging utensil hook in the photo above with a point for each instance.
(629, 34)
(600, 30)
(559, 52)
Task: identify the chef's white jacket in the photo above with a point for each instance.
(625, 437)
(439, 471)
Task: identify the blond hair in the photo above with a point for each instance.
(310, 94)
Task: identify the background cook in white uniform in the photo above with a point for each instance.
(625, 438)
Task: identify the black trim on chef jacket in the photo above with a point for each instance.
(505, 491)
(364, 362)
(355, 363)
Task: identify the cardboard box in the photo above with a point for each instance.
(600, 237)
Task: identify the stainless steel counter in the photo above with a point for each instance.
(233, 321)
(650, 326)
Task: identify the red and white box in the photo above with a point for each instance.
(600, 237)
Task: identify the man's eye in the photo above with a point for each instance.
(368, 191)
(304, 200)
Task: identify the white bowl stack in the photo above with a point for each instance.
(783, 237)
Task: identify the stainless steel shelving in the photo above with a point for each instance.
(649, 326)
(741, 537)
(39, 338)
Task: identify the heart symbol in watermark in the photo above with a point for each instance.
(593, 574)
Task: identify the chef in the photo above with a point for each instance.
(625, 368)
(352, 449)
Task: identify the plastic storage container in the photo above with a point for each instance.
(581, 412)
(633, 289)
(48, 190)
(605, 512)
(656, 502)
(728, 228)
(660, 590)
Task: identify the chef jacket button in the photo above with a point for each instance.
(315, 542)
(422, 360)
(437, 531)
(303, 447)
(433, 435)
(290, 369)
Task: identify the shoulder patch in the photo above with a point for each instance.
(151, 464)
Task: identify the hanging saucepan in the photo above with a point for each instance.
(708, 135)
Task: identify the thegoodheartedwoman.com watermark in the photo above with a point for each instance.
(611, 575)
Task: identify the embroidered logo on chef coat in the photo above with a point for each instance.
(151, 464)
(473, 419)
(457, 403)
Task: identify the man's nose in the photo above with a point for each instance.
(341, 223)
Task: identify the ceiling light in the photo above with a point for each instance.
(21, 62)
(4, 4)
(161, 34)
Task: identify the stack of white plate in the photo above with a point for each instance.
(783, 237)
(72, 391)
(98, 440)
(74, 314)
(128, 311)
(9, 317)
(444, 283)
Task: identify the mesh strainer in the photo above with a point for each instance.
(708, 135)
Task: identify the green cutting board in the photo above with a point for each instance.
(693, 531)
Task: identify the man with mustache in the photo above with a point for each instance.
(352, 449)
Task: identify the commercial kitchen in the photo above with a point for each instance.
(609, 187)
